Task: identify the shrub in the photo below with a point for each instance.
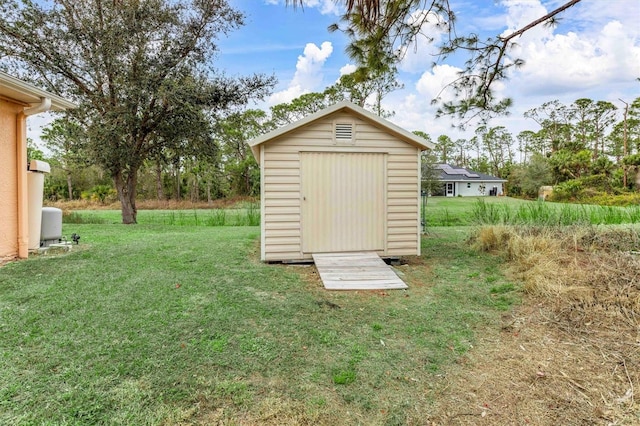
(566, 191)
(103, 194)
(625, 199)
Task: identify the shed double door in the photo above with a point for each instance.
(343, 201)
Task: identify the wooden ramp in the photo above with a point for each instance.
(356, 271)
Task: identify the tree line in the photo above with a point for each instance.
(216, 163)
(588, 144)
(586, 147)
(155, 116)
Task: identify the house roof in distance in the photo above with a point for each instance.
(28, 94)
(450, 173)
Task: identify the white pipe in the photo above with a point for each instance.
(44, 105)
(23, 215)
(24, 239)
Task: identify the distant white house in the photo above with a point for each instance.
(458, 181)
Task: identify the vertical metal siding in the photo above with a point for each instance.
(282, 206)
(343, 201)
(419, 218)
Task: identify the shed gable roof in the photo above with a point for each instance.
(348, 107)
(28, 94)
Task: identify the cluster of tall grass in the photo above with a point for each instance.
(550, 214)
(78, 218)
(249, 215)
(445, 217)
(593, 270)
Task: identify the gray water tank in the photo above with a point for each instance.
(51, 229)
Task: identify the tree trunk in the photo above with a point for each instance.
(126, 187)
(195, 189)
(159, 191)
(177, 184)
(69, 186)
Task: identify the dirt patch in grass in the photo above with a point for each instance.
(413, 270)
(308, 273)
(570, 354)
(541, 370)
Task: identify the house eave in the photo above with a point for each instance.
(23, 93)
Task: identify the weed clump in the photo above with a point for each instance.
(77, 218)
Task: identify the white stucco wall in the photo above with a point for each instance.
(473, 189)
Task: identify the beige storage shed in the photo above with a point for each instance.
(340, 180)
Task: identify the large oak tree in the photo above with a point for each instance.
(132, 65)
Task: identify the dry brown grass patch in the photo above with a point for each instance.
(570, 354)
(583, 268)
(222, 203)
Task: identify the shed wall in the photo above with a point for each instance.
(281, 185)
(8, 179)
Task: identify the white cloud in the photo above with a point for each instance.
(521, 13)
(325, 7)
(588, 54)
(591, 15)
(415, 112)
(592, 48)
(432, 83)
(420, 54)
(35, 124)
(593, 55)
(286, 95)
(308, 75)
(348, 69)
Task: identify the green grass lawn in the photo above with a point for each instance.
(154, 324)
(458, 211)
(440, 211)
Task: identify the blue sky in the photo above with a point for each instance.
(593, 53)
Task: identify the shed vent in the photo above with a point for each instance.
(344, 131)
